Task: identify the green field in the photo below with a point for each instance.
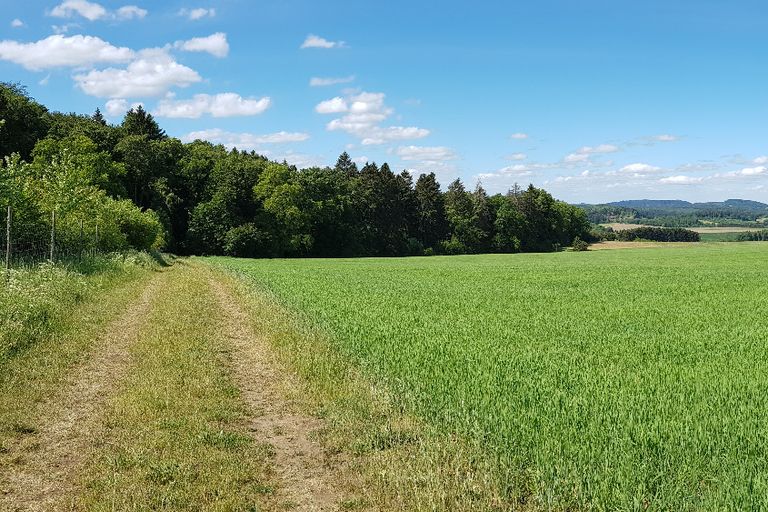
(631, 379)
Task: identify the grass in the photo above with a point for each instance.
(631, 379)
(174, 436)
(50, 317)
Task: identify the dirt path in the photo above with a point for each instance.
(306, 480)
(46, 464)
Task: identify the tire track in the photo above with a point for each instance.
(303, 470)
(45, 466)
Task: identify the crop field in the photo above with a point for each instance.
(632, 379)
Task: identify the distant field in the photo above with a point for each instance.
(720, 229)
(606, 380)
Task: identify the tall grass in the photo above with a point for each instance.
(632, 379)
(35, 299)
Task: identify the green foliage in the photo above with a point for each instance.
(754, 236)
(579, 245)
(658, 234)
(200, 194)
(24, 121)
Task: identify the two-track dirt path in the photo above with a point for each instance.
(43, 471)
(47, 464)
(305, 475)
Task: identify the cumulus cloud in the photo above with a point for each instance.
(751, 171)
(363, 113)
(226, 104)
(61, 51)
(518, 136)
(681, 180)
(198, 13)
(426, 154)
(313, 41)
(152, 73)
(332, 106)
(576, 158)
(760, 160)
(601, 149)
(517, 156)
(17, 23)
(665, 137)
(119, 106)
(88, 10)
(129, 12)
(639, 168)
(322, 82)
(215, 44)
(247, 141)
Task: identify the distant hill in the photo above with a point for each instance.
(666, 204)
(677, 213)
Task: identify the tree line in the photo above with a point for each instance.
(147, 189)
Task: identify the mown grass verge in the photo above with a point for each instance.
(173, 435)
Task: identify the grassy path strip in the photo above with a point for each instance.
(306, 476)
(40, 469)
(175, 435)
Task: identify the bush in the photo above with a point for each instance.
(247, 241)
(579, 245)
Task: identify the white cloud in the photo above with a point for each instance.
(517, 156)
(153, 73)
(61, 51)
(761, 160)
(63, 29)
(518, 136)
(226, 104)
(322, 82)
(665, 138)
(601, 149)
(198, 13)
(17, 23)
(426, 154)
(45, 80)
(751, 171)
(119, 106)
(332, 106)
(88, 10)
(363, 113)
(129, 12)
(313, 41)
(215, 44)
(247, 141)
(639, 168)
(576, 158)
(392, 133)
(681, 180)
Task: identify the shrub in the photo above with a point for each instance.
(579, 245)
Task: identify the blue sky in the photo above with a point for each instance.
(593, 100)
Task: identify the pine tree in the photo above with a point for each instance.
(431, 223)
(99, 118)
(138, 121)
(346, 165)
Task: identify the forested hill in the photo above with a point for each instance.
(676, 213)
(146, 188)
(661, 204)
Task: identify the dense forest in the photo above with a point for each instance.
(141, 188)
